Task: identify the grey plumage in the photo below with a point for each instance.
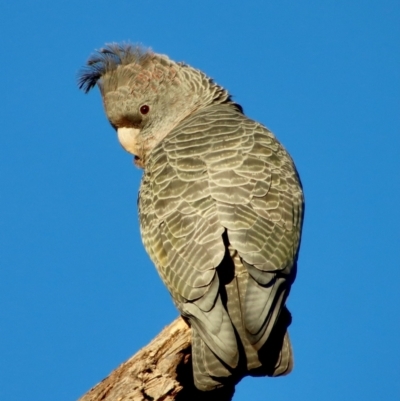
(220, 205)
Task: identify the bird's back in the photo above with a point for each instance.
(221, 209)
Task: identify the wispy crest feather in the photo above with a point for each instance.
(108, 59)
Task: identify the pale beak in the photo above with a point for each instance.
(128, 138)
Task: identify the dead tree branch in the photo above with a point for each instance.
(161, 371)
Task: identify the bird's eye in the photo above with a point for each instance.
(144, 109)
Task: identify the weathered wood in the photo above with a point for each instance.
(161, 371)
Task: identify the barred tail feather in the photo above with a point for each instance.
(208, 370)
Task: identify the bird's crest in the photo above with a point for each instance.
(108, 59)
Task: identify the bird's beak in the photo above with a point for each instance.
(128, 138)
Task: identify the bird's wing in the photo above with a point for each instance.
(183, 236)
(260, 203)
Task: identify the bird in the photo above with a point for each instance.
(220, 204)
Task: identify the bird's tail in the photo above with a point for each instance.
(275, 358)
(209, 371)
(276, 355)
(284, 363)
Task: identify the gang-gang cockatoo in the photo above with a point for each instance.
(220, 205)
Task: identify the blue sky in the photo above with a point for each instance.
(78, 294)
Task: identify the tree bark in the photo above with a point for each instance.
(161, 371)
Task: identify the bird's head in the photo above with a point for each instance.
(145, 95)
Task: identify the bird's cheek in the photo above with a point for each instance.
(129, 139)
